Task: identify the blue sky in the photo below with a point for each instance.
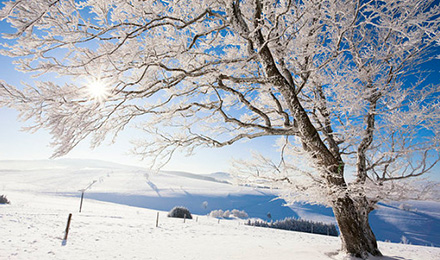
(18, 145)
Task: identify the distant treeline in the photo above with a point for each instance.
(298, 225)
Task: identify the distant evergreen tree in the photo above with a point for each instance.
(298, 225)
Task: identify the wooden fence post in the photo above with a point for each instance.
(82, 193)
(67, 230)
(81, 203)
(157, 219)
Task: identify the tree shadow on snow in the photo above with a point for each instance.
(256, 206)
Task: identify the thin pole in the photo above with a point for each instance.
(67, 229)
(81, 203)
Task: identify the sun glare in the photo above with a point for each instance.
(98, 90)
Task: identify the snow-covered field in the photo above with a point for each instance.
(118, 218)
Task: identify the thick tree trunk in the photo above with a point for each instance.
(356, 234)
(357, 237)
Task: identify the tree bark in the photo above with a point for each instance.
(357, 237)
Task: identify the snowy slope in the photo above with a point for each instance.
(140, 188)
(44, 192)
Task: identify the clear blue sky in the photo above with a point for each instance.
(18, 145)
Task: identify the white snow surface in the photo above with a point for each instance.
(118, 218)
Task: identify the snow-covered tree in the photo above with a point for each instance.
(336, 80)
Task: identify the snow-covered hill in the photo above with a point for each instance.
(119, 213)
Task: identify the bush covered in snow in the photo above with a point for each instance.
(4, 200)
(235, 213)
(217, 213)
(239, 213)
(404, 241)
(298, 225)
(405, 207)
(180, 212)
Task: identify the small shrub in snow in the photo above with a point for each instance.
(235, 213)
(404, 240)
(4, 200)
(405, 207)
(180, 212)
(239, 213)
(216, 213)
(298, 225)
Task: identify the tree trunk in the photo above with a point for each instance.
(352, 216)
(357, 237)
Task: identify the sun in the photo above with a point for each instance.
(98, 90)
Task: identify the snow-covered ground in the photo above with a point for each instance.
(118, 218)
